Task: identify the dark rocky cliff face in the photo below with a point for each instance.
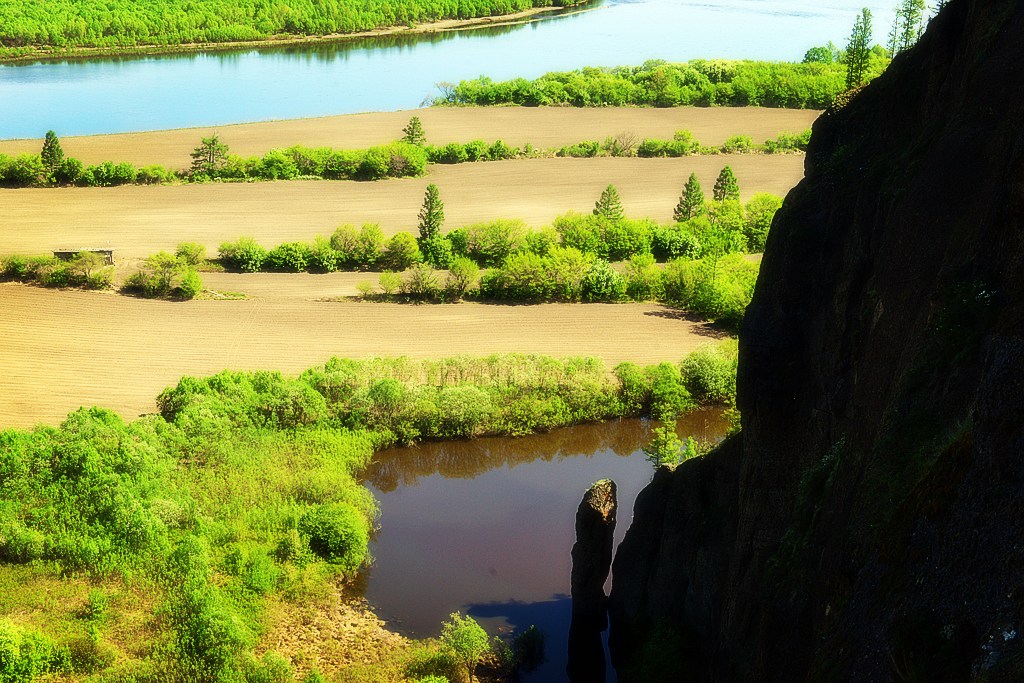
(868, 522)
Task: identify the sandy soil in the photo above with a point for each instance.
(60, 350)
(138, 221)
(541, 126)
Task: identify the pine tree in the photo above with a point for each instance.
(209, 156)
(691, 202)
(609, 206)
(413, 132)
(858, 50)
(435, 247)
(431, 217)
(726, 186)
(908, 25)
(52, 154)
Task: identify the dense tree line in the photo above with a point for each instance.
(120, 23)
(660, 84)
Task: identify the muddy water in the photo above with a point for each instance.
(486, 526)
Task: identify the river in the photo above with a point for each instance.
(80, 97)
(486, 526)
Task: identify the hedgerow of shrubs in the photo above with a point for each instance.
(86, 270)
(165, 275)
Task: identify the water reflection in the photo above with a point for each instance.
(467, 459)
(486, 526)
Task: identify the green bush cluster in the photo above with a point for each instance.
(120, 23)
(661, 84)
(85, 269)
(28, 170)
(395, 160)
(475, 150)
(166, 275)
(788, 142)
(26, 655)
(715, 288)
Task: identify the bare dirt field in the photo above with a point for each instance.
(542, 126)
(60, 350)
(140, 220)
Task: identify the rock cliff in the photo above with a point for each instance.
(868, 522)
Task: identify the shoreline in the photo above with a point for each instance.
(281, 40)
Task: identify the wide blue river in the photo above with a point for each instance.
(146, 93)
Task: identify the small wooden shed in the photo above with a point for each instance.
(68, 254)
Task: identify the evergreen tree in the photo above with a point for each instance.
(52, 154)
(209, 156)
(907, 26)
(609, 205)
(435, 247)
(691, 202)
(858, 50)
(413, 132)
(726, 186)
(431, 217)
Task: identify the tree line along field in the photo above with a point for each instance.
(122, 23)
(140, 221)
(517, 126)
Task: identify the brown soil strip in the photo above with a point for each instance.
(60, 350)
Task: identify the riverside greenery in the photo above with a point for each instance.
(656, 83)
(121, 23)
(396, 160)
(187, 525)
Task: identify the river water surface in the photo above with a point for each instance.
(147, 93)
(486, 526)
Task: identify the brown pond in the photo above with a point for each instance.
(486, 526)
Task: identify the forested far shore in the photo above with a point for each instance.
(28, 25)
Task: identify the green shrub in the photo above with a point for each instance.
(389, 283)
(465, 639)
(738, 144)
(499, 151)
(278, 164)
(15, 268)
(585, 149)
(489, 244)
(603, 283)
(452, 153)
(244, 255)
(643, 279)
(291, 257)
(25, 656)
(709, 373)
(462, 276)
(760, 211)
(401, 252)
(190, 286)
(674, 241)
(338, 533)
(323, 258)
(420, 282)
(191, 253)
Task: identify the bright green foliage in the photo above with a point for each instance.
(420, 282)
(466, 640)
(858, 50)
(657, 83)
(117, 23)
(338, 533)
(462, 276)
(760, 211)
(824, 54)
(709, 373)
(717, 288)
(738, 144)
(489, 244)
(190, 286)
(52, 154)
(244, 254)
(291, 257)
(413, 132)
(27, 655)
(191, 253)
(209, 156)
(389, 283)
(691, 202)
(608, 205)
(603, 283)
(788, 142)
(526, 277)
(726, 186)
(401, 252)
